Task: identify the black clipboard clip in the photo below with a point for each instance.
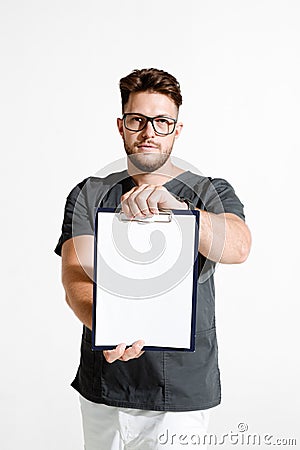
(164, 216)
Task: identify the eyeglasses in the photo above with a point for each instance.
(161, 124)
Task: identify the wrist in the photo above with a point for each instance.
(185, 203)
(189, 204)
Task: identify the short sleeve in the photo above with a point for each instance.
(77, 220)
(220, 197)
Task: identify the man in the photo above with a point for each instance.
(131, 398)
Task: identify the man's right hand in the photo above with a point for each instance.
(123, 354)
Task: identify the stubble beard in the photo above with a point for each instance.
(150, 161)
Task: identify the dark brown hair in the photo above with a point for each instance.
(152, 80)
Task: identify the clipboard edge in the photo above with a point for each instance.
(196, 213)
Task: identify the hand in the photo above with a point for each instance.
(123, 354)
(145, 200)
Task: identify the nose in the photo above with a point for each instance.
(148, 131)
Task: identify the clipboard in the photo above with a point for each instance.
(145, 280)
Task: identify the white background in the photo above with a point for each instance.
(239, 69)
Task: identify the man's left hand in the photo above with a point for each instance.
(147, 199)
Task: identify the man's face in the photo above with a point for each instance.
(147, 150)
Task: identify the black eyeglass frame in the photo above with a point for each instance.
(151, 120)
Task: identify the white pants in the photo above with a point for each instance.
(112, 428)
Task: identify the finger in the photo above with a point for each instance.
(126, 210)
(126, 195)
(137, 203)
(125, 358)
(130, 354)
(124, 203)
(141, 200)
(116, 353)
(133, 207)
(154, 199)
(134, 351)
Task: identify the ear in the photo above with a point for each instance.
(178, 129)
(120, 127)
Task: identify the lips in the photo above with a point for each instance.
(147, 147)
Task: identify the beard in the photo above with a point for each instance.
(147, 161)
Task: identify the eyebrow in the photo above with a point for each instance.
(169, 116)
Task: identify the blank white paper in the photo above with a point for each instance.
(144, 281)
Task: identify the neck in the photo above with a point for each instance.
(159, 177)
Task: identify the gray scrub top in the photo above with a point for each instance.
(160, 380)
